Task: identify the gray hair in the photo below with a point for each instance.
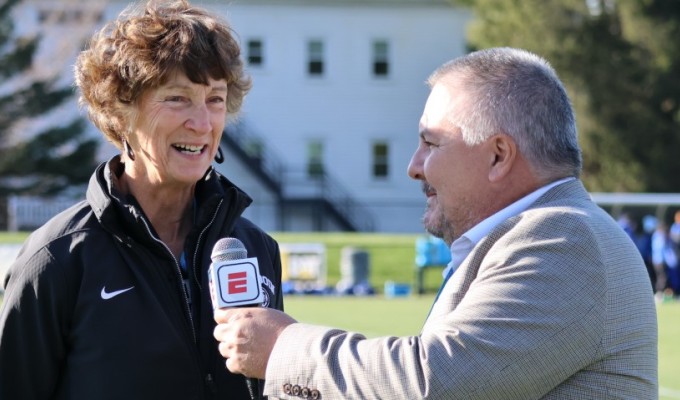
(518, 93)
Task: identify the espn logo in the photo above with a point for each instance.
(235, 283)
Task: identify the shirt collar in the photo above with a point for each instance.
(462, 246)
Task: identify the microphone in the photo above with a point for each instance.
(235, 281)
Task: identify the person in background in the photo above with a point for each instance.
(673, 268)
(109, 299)
(627, 223)
(664, 258)
(550, 299)
(674, 229)
(643, 229)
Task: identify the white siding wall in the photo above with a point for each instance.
(263, 210)
(347, 109)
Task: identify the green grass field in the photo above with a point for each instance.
(392, 258)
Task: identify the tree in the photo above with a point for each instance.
(50, 161)
(619, 61)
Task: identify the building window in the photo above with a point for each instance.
(69, 16)
(315, 159)
(255, 53)
(381, 63)
(315, 58)
(381, 166)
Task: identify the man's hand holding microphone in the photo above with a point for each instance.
(246, 332)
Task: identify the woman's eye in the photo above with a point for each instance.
(174, 98)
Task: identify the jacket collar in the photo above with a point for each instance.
(566, 192)
(120, 213)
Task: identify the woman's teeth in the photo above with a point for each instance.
(185, 148)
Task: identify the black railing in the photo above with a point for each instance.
(296, 187)
(300, 186)
(254, 152)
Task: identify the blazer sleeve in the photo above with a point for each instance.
(522, 314)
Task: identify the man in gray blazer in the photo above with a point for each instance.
(545, 297)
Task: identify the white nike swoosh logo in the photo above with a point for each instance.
(109, 295)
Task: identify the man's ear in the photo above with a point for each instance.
(503, 155)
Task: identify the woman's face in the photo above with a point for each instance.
(178, 131)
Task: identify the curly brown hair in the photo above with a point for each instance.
(142, 48)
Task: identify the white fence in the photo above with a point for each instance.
(8, 252)
(27, 213)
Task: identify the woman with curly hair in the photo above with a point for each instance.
(110, 299)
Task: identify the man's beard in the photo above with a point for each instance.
(440, 227)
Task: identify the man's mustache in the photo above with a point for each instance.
(427, 188)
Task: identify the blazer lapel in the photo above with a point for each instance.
(458, 285)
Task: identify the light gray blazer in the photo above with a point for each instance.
(555, 303)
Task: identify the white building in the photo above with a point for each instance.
(327, 131)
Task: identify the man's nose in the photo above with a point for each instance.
(415, 166)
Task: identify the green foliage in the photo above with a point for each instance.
(44, 168)
(463, 3)
(54, 160)
(620, 62)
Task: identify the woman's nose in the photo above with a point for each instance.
(199, 120)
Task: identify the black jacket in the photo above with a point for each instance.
(95, 306)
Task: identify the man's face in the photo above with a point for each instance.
(452, 173)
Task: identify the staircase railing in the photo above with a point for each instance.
(254, 152)
(290, 185)
(323, 186)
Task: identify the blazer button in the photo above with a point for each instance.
(287, 388)
(296, 390)
(315, 394)
(305, 393)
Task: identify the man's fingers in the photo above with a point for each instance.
(221, 331)
(237, 363)
(226, 315)
(247, 336)
(221, 315)
(224, 349)
(229, 348)
(232, 366)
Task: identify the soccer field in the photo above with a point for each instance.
(379, 316)
(391, 258)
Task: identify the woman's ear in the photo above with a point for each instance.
(504, 153)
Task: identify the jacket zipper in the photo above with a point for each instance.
(179, 275)
(198, 242)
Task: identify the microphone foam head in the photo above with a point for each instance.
(228, 249)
